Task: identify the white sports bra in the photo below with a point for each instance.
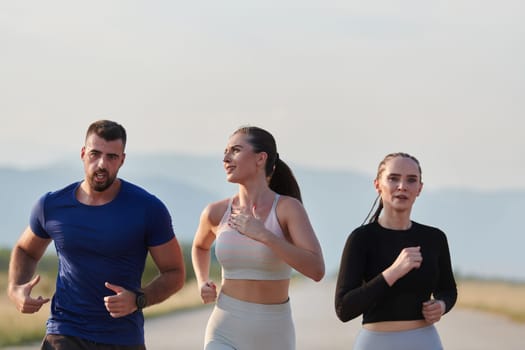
(244, 258)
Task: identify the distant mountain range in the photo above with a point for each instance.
(484, 234)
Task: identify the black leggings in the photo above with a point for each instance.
(66, 342)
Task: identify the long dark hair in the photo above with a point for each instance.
(281, 176)
(373, 218)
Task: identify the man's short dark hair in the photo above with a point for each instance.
(108, 130)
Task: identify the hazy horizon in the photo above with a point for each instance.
(475, 222)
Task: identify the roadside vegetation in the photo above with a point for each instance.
(17, 328)
(496, 296)
(505, 298)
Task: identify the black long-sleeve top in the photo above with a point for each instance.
(369, 250)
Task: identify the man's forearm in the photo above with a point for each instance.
(164, 285)
(22, 267)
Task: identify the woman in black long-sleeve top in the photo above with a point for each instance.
(396, 272)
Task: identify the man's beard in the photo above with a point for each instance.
(101, 186)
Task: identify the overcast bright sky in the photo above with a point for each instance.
(338, 83)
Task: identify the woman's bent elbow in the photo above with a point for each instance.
(318, 274)
(340, 314)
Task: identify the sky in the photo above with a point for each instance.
(338, 83)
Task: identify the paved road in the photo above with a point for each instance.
(318, 328)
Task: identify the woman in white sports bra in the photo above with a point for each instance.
(260, 235)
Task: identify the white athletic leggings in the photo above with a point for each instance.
(240, 325)
(426, 338)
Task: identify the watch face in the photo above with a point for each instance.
(141, 301)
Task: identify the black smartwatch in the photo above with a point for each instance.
(140, 300)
